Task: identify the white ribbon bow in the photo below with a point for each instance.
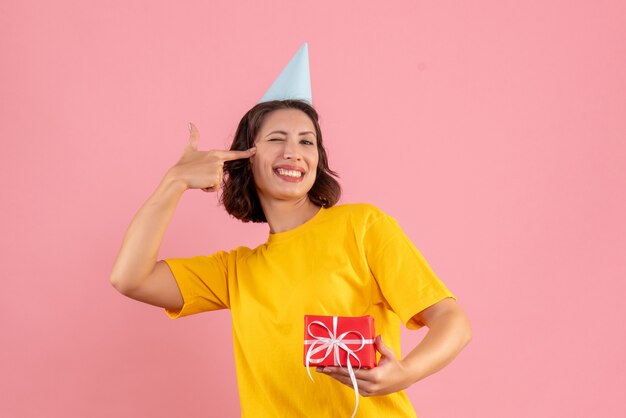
(334, 344)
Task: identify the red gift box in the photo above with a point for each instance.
(331, 340)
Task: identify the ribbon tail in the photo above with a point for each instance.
(308, 358)
(355, 385)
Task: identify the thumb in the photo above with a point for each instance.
(383, 349)
(193, 137)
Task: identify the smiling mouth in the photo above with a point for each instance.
(289, 173)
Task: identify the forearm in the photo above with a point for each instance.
(448, 334)
(140, 247)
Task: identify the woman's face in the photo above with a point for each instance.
(285, 163)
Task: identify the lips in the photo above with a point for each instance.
(289, 173)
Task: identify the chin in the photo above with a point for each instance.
(289, 194)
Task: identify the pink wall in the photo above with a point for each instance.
(494, 131)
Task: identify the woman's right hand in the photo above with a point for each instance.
(203, 169)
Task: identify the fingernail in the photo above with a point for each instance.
(189, 127)
(253, 149)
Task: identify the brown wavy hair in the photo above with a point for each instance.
(239, 195)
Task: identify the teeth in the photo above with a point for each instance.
(290, 173)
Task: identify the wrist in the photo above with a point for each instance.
(172, 182)
(413, 373)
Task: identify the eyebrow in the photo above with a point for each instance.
(285, 133)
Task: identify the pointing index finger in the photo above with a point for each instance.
(235, 155)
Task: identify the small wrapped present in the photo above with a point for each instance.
(333, 340)
(340, 341)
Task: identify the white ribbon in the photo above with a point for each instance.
(334, 343)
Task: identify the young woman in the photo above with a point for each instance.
(320, 258)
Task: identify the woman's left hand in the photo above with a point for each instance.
(388, 377)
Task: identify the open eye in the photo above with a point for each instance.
(306, 142)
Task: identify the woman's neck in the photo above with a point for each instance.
(283, 215)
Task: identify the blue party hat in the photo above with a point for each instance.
(294, 82)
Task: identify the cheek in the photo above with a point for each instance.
(261, 167)
(315, 161)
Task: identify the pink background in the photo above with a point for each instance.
(494, 131)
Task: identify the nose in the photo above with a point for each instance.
(291, 151)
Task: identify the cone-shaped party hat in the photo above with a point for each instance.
(294, 82)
